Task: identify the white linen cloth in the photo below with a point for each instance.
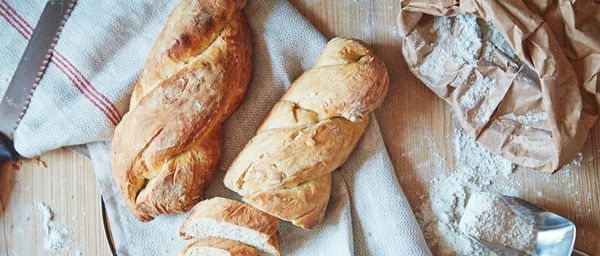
(86, 88)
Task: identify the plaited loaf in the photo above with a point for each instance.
(167, 146)
(285, 170)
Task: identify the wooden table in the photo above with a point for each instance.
(410, 113)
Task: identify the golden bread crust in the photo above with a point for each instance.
(285, 170)
(167, 146)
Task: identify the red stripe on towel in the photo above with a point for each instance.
(26, 37)
(79, 80)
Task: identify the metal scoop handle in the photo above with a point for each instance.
(579, 253)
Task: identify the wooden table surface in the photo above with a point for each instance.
(65, 181)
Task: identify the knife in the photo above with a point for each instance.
(30, 71)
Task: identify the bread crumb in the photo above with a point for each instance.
(38, 160)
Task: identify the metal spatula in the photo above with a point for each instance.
(555, 235)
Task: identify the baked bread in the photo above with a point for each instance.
(167, 146)
(214, 246)
(285, 170)
(230, 219)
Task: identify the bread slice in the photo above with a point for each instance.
(214, 246)
(230, 219)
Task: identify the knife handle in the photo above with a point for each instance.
(7, 150)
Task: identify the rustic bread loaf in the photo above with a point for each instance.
(167, 146)
(214, 246)
(233, 220)
(285, 170)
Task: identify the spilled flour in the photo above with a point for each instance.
(476, 169)
(567, 168)
(488, 218)
(56, 238)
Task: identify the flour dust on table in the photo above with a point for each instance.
(476, 169)
(56, 237)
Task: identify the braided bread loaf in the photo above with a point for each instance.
(167, 146)
(285, 170)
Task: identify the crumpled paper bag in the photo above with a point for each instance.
(523, 84)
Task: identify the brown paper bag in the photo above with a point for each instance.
(524, 83)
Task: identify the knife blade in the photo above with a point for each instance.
(29, 72)
(32, 65)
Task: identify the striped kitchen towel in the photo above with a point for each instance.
(84, 91)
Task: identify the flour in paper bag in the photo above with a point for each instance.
(458, 40)
(463, 42)
(526, 119)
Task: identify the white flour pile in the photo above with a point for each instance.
(56, 238)
(567, 168)
(479, 89)
(524, 122)
(476, 169)
(462, 42)
(458, 41)
(526, 119)
(489, 219)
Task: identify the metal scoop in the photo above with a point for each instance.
(555, 235)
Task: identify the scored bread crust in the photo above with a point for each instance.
(303, 205)
(222, 210)
(166, 148)
(224, 246)
(285, 170)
